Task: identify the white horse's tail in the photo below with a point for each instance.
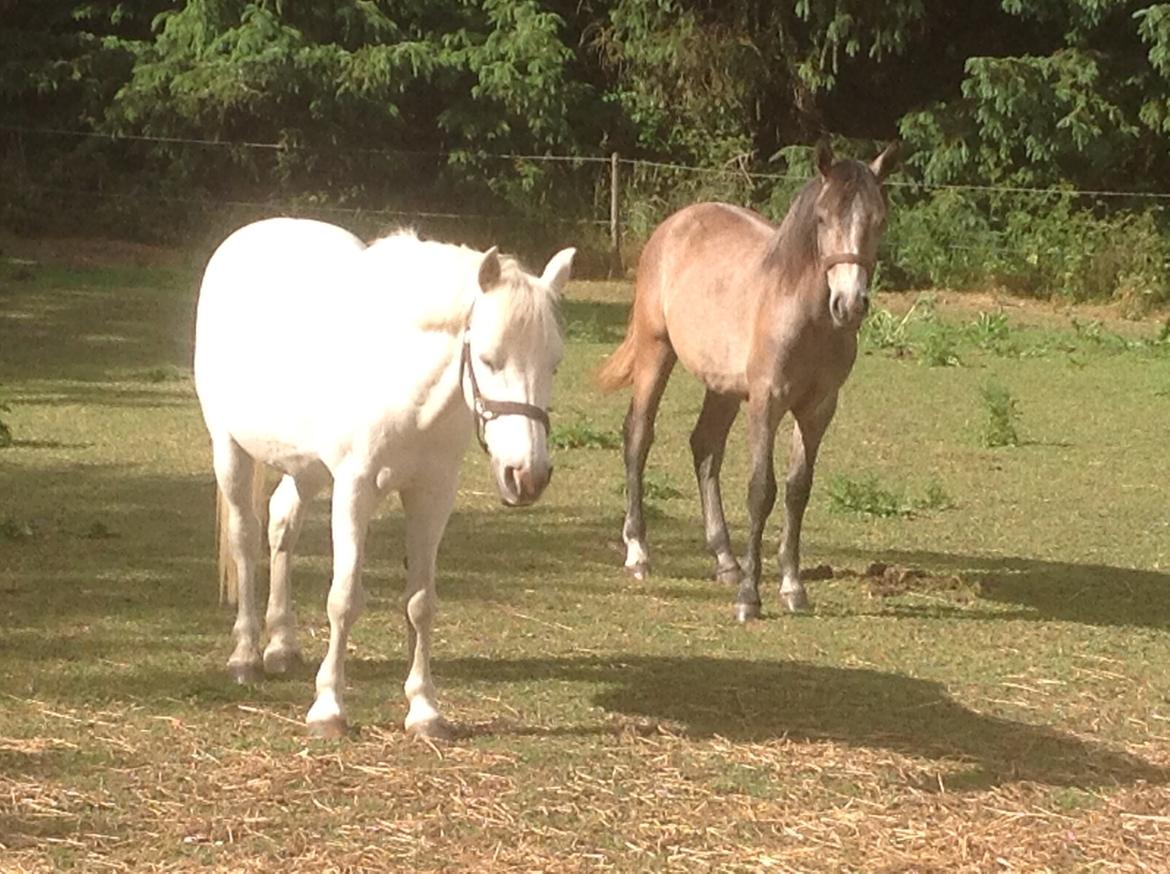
(226, 571)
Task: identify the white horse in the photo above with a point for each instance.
(369, 366)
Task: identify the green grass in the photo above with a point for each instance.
(610, 724)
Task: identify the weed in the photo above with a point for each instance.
(658, 488)
(936, 498)
(15, 529)
(992, 332)
(582, 434)
(1003, 415)
(884, 330)
(867, 496)
(939, 346)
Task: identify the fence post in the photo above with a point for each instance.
(616, 270)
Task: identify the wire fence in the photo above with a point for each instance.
(606, 205)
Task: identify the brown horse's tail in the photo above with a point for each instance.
(226, 571)
(618, 370)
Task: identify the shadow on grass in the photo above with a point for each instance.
(1052, 590)
(759, 701)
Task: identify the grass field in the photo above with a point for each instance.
(996, 698)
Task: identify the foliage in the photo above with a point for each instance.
(451, 109)
(866, 495)
(1000, 427)
(1043, 246)
(583, 434)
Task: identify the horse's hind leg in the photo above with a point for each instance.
(233, 473)
(708, 441)
(652, 369)
(806, 440)
(286, 512)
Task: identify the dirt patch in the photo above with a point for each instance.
(885, 581)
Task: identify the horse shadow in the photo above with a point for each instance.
(761, 701)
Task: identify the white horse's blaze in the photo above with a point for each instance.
(328, 359)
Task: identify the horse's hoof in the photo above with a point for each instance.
(746, 612)
(435, 729)
(728, 575)
(282, 661)
(638, 571)
(795, 601)
(245, 673)
(332, 728)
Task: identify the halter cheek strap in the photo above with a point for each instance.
(486, 410)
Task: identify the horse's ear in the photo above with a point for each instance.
(884, 163)
(824, 156)
(556, 272)
(489, 269)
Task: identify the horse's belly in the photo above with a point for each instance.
(717, 359)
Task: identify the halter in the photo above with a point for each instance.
(487, 410)
(831, 261)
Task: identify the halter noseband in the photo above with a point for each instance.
(831, 261)
(486, 410)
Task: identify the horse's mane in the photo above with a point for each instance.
(437, 284)
(793, 249)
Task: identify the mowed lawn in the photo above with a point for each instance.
(996, 699)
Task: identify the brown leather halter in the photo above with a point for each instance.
(486, 410)
(831, 261)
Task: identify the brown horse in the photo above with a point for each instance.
(758, 313)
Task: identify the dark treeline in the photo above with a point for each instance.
(407, 103)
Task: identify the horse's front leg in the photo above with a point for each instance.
(806, 440)
(764, 414)
(353, 502)
(427, 509)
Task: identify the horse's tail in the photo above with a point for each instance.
(618, 370)
(226, 571)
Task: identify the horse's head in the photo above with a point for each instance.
(512, 347)
(851, 217)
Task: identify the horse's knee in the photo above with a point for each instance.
(345, 604)
(421, 608)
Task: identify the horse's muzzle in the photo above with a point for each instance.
(521, 486)
(848, 311)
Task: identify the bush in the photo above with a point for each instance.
(1038, 245)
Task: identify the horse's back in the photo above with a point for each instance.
(269, 295)
(699, 285)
